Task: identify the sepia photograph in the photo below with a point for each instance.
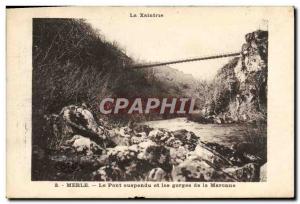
(103, 110)
(193, 100)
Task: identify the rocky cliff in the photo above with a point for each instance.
(239, 92)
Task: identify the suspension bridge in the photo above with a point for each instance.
(141, 66)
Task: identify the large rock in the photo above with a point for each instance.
(178, 155)
(157, 174)
(198, 170)
(80, 119)
(210, 155)
(108, 173)
(160, 136)
(117, 137)
(238, 154)
(142, 129)
(125, 159)
(246, 173)
(175, 138)
(158, 156)
(72, 166)
(84, 145)
(131, 160)
(136, 161)
(188, 139)
(138, 139)
(122, 155)
(124, 131)
(263, 173)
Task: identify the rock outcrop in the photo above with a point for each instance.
(252, 72)
(239, 91)
(263, 173)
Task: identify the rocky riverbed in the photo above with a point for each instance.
(83, 148)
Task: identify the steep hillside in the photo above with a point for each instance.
(73, 63)
(176, 83)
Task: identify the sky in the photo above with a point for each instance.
(178, 35)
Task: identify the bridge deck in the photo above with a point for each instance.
(185, 60)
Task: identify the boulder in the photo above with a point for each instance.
(246, 173)
(121, 155)
(108, 173)
(123, 131)
(263, 173)
(198, 170)
(79, 120)
(142, 128)
(157, 174)
(238, 154)
(115, 138)
(188, 139)
(136, 160)
(138, 139)
(92, 162)
(178, 155)
(159, 136)
(84, 145)
(218, 120)
(207, 154)
(158, 156)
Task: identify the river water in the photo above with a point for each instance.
(226, 134)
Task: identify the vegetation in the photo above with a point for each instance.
(73, 63)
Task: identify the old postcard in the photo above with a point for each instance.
(153, 102)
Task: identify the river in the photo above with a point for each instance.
(226, 134)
